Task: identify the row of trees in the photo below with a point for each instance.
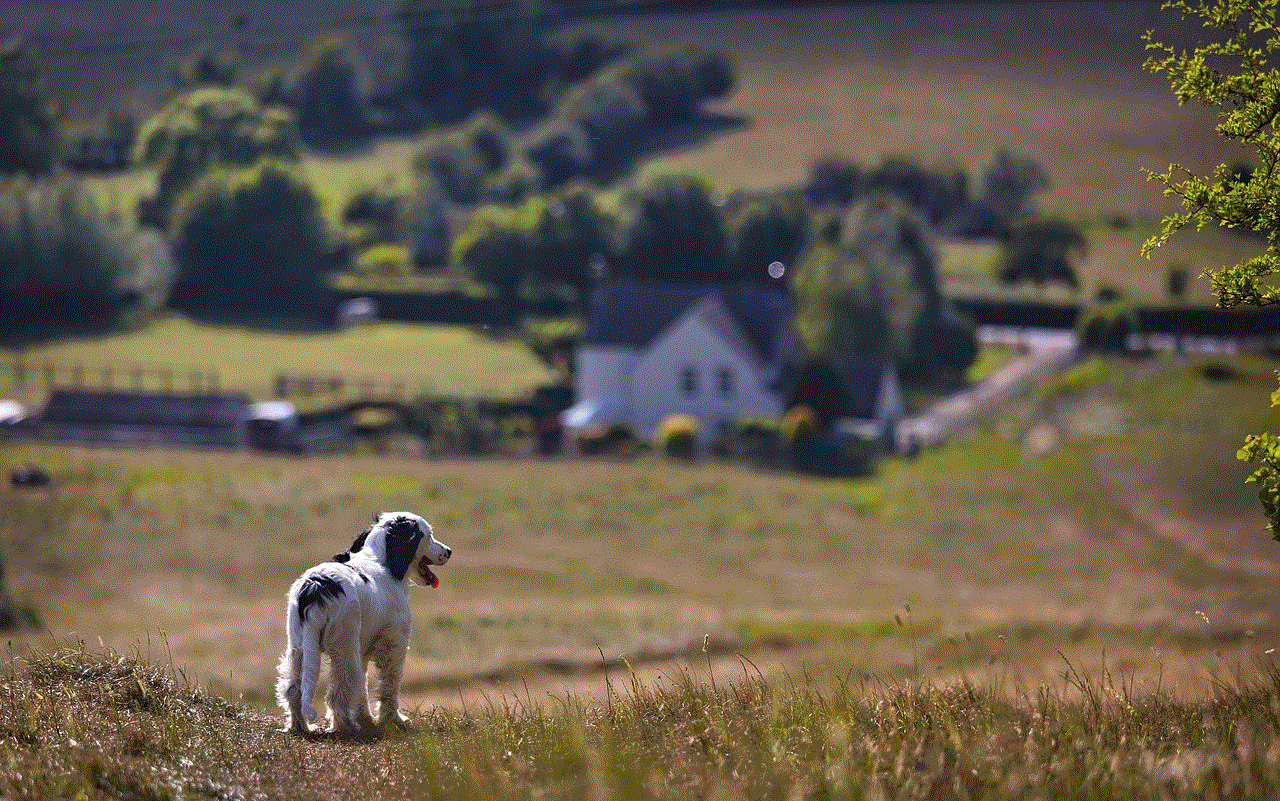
(865, 282)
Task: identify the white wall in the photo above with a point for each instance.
(657, 384)
(604, 371)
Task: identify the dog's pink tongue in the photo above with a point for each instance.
(424, 570)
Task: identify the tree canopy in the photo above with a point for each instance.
(30, 122)
(205, 129)
(248, 239)
(1231, 71)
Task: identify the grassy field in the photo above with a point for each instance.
(1133, 545)
(976, 622)
(451, 360)
(83, 725)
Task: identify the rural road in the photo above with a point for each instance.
(1047, 353)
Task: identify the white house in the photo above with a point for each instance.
(717, 353)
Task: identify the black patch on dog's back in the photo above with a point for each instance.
(316, 589)
(355, 546)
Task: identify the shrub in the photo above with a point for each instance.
(384, 259)
(1106, 326)
(678, 436)
(799, 429)
(617, 440)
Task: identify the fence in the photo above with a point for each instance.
(310, 385)
(137, 377)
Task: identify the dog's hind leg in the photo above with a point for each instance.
(346, 688)
(289, 689)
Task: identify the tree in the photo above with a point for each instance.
(248, 239)
(571, 233)
(30, 123)
(867, 294)
(207, 129)
(875, 293)
(678, 232)
(1040, 251)
(1008, 182)
(1230, 72)
(63, 257)
(768, 229)
(331, 104)
(497, 249)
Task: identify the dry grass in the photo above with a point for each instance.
(1134, 546)
(85, 725)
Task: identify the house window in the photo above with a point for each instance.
(689, 380)
(724, 380)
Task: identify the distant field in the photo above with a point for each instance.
(1133, 545)
(426, 358)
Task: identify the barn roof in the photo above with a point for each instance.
(110, 407)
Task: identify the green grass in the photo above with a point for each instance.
(443, 359)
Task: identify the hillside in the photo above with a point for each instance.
(96, 725)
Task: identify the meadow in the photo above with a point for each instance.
(1133, 538)
(431, 359)
(1097, 621)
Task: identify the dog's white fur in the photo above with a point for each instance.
(355, 610)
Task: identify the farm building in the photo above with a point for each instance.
(144, 418)
(719, 353)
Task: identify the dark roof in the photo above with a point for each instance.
(632, 313)
(109, 407)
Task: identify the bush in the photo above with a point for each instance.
(561, 150)
(617, 440)
(799, 429)
(249, 239)
(1105, 326)
(678, 436)
(384, 260)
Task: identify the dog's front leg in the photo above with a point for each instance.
(388, 658)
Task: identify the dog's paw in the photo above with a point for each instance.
(396, 722)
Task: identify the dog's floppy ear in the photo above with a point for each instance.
(355, 546)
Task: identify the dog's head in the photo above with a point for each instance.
(394, 539)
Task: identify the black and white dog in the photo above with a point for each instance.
(355, 609)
